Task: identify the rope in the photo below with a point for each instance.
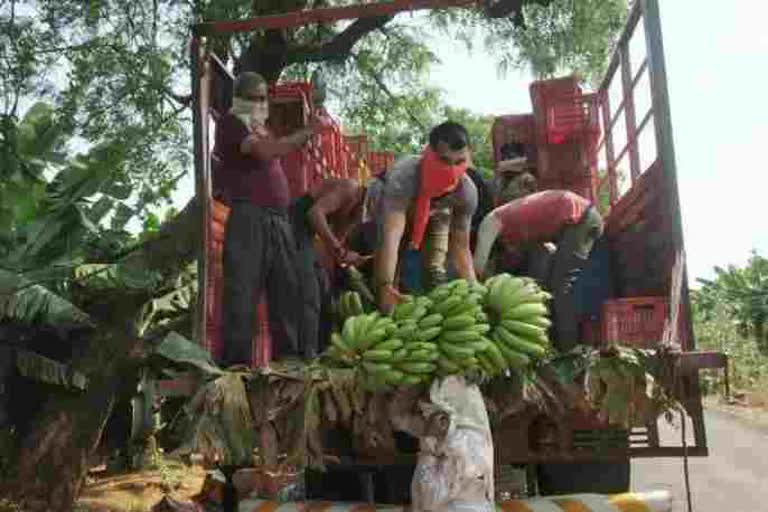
(686, 473)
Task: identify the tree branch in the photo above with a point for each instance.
(341, 45)
(380, 82)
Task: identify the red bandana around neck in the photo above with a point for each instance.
(437, 178)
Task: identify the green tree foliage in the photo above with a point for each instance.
(716, 329)
(743, 294)
(117, 71)
(564, 36)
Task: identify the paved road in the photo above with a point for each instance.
(734, 478)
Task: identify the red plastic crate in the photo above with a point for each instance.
(511, 129)
(589, 330)
(571, 117)
(380, 161)
(637, 321)
(326, 154)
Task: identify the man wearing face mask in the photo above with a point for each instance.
(259, 248)
(428, 196)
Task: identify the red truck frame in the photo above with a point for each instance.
(643, 226)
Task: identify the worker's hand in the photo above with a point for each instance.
(351, 258)
(389, 297)
(317, 123)
(428, 445)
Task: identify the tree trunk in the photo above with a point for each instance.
(53, 459)
(760, 336)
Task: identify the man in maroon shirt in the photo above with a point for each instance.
(259, 247)
(561, 217)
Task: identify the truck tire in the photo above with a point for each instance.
(593, 477)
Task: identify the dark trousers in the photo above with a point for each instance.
(573, 247)
(259, 253)
(311, 277)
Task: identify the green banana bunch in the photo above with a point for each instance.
(458, 327)
(458, 312)
(357, 282)
(348, 305)
(517, 308)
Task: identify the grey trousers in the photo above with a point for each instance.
(573, 247)
(259, 254)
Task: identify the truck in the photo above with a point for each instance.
(613, 145)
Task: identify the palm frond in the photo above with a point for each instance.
(24, 301)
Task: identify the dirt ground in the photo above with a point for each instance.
(139, 491)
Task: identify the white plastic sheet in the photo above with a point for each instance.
(455, 473)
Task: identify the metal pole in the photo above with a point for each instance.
(199, 67)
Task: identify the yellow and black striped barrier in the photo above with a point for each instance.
(654, 501)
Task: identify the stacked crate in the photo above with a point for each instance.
(380, 161)
(567, 130)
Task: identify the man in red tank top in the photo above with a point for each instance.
(560, 217)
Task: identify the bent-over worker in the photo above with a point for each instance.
(428, 196)
(329, 210)
(562, 217)
(259, 248)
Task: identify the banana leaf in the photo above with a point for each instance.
(33, 303)
(178, 349)
(36, 367)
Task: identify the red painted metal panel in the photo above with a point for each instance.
(326, 15)
(380, 161)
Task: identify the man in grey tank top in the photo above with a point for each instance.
(427, 198)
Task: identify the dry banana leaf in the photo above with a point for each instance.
(341, 396)
(330, 411)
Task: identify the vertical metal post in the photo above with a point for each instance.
(200, 97)
(629, 110)
(610, 158)
(657, 74)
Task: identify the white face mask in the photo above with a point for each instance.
(259, 112)
(250, 112)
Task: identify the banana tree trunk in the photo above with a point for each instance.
(53, 459)
(760, 336)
